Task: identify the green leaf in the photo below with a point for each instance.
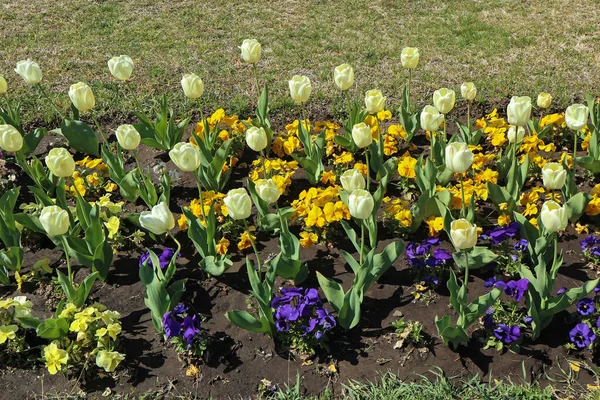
(246, 321)
(81, 136)
(576, 206)
(53, 328)
(333, 291)
(479, 256)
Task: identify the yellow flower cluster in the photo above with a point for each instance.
(232, 122)
(494, 127)
(593, 207)
(394, 134)
(90, 174)
(320, 207)
(399, 210)
(97, 331)
(279, 170)
(246, 239)
(209, 198)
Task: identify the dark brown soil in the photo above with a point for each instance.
(239, 360)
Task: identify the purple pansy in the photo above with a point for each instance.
(191, 328)
(521, 245)
(582, 335)
(507, 334)
(585, 307)
(517, 289)
(561, 290)
(170, 325)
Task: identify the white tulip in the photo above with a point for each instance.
(431, 119)
(300, 88)
(159, 220)
(519, 110)
(256, 138)
(121, 67)
(576, 116)
(444, 99)
(267, 190)
(409, 57)
(361, 134)
(360, 204)
(29, 71)
(238, 203)
(352, 180)
(468, 91)
(60, 162)
(343, 75)
(192, 85)
(553, 216)
(128, 137)
(185, 156)
(54, 220)
(374, 101)
(516, 133)
(463, 234)
(458, 157)
(251, 50)
(10, 138)
(82, 97)
(554, 175)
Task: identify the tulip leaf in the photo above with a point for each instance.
(246, 321)
(576, 206)
(81, 136)
(32, 139)
(333, 291)
(478, 256)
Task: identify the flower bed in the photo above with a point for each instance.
(335, 248)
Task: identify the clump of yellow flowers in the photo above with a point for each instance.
(90, 176)
(92, 335)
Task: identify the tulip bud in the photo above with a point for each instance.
(554, 175)
(352, 180)
(468, 91)
(82, 96)
(516, 133)
(121, 67)
(361, 134)
(463, 234)
(54, 220)
(239, 204)
(300, 88)
(158, 220)
(519, 110)
(267, 190)
(360, 204)
(409, 57)
(256, 138)
(544, 100)
(458, 157)
(576, 116)
(343, 75)
(431, 119)
(3, 85)
(553, 216)
(443, 100)
(10, 138)
(374, 101)
(192, 85)
(185, 156)
(29, 71)
(128, 137)
(60, 162)
(251, 50)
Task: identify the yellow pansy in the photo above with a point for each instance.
(307, 239)
(109, 360)
(245, 242)
(222, 246)
(54, 358)
(8, 332)
(435, 224)
(112, 225)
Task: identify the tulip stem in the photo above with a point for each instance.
(256, 79)
(408, 85)
(65, 247)
(368, 177)
(200, 195)
(466, 267)
(45, 94)
(362, 242)
(574, 152)
(259, 266)
(468, 139)
(462, 191)
(444, 139)
(139, 167)
(264, 163)
(135, 100)
(100, 131)
(348, 102)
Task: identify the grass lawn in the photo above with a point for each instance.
(506, 47)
